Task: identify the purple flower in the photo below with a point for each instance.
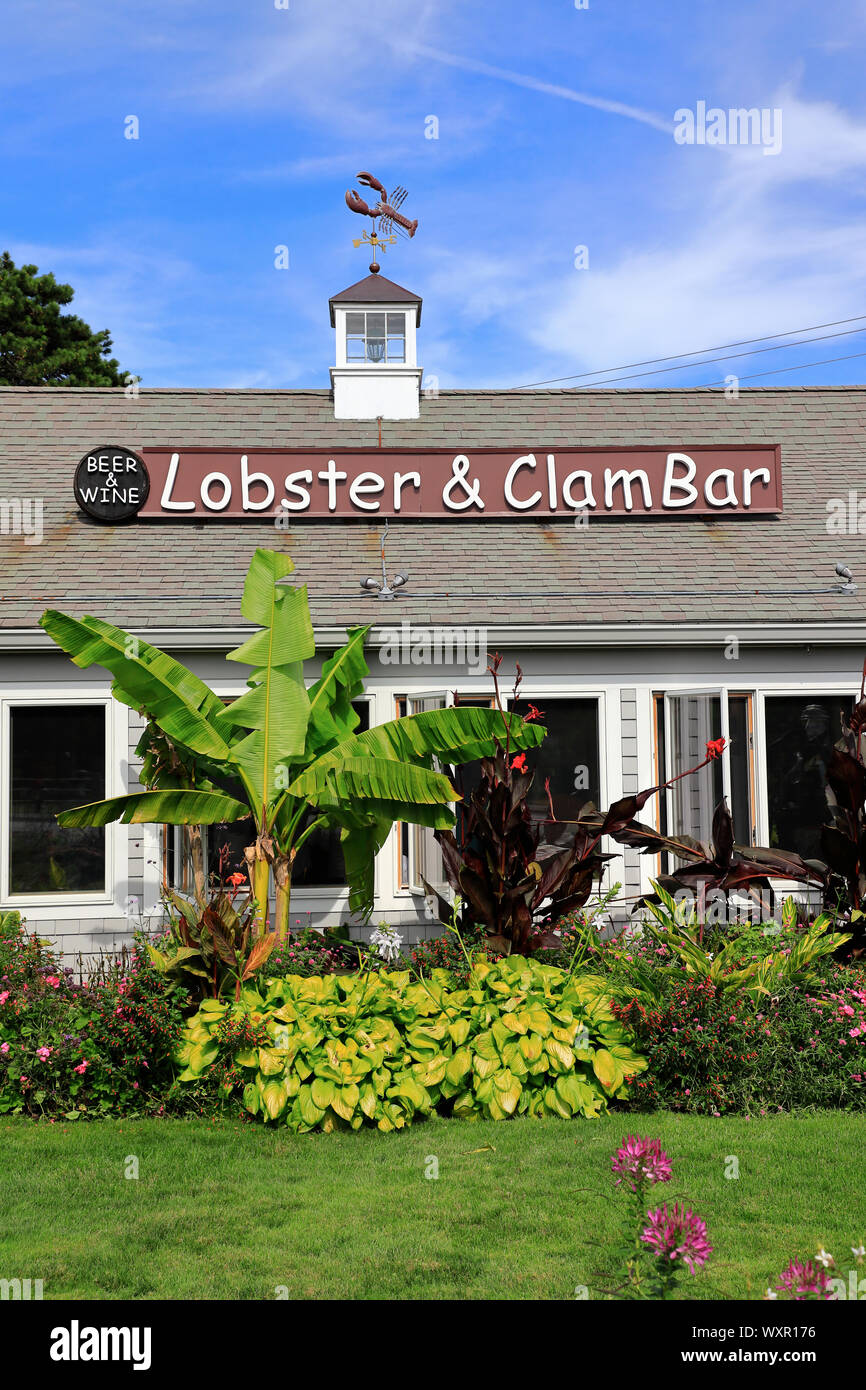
(677, 1235)
(641, 1160)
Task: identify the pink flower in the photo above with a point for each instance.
(43, 1053)
(53, 981)
(81, 1068)
(640, 1160)
(4, 996)
(803, 1278)
(678, 1234)
(4, 1047)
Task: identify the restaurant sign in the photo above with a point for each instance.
(235, 484)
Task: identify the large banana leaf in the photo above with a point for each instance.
(158, 807)
(276, 708)
(332, 717)
(456, 735)
(145, 677)
(357, 780)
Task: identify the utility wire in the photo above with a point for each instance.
(801, 367)
(725, 357)
(716, 347)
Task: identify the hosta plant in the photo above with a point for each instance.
(342, 1051)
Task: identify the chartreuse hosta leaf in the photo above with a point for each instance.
(385, 1049)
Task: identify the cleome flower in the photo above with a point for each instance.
(804, 1279)
(639, 1161)
(678, 1234)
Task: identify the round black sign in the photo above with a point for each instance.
(111, 484)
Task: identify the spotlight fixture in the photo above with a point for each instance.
(385, 590)
(847, 586)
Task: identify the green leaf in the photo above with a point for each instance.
(456, 735)
(606, 1069)
(144, 678)
(158, 807)
(332, 715)
(459, 1063)
(311, 1113)
(274, 1098)
(322, 1092)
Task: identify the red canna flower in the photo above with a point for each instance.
(715, 747)
(533, 714)
(236, 880)
(518, 764)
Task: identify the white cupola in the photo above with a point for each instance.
(377, 373)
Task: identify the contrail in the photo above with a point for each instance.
(617, 108)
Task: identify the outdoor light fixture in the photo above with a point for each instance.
(848, 587)
(385, 590)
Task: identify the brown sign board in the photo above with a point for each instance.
(670, 481)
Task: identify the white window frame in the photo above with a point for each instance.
(609, 753)
(72, 905)
(759, 694)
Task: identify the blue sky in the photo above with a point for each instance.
(555, 130)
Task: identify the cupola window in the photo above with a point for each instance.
(375, 336)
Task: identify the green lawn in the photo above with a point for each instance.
(224, 1210)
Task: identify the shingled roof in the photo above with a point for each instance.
(521, 571)
(375, 289)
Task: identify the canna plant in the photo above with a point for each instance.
(292, 750)
(843, 840)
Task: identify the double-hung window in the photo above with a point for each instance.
(55, 756)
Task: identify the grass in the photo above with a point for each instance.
(520, 1210)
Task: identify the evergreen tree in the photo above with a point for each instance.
(39, 346)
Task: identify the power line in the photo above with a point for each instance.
(716, 347)
(725, 357)
(801, 367)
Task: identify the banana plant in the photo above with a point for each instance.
(293, 749)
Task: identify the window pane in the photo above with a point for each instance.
(569, 757)
(228, 840)
(57, 761)
(741, 802)
(375, 325)
(319, 861)
(375, 349)
(355, 349)
(355, 323)
(396, 349)
(397, 324)
(694, 721)
(800, 734)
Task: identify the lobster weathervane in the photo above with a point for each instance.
(391, 222)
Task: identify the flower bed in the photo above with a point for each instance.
(80, 1051)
